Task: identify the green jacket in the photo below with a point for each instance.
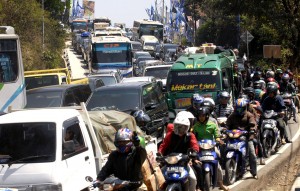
(206, 131)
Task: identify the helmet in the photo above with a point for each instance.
(272, 88)
(203, 111)
(85, 34)
(187, 114)
(241, 106)
(257, 85)
(209, 103)
(270, 74)
(270, 80)
(279, 71)
(249, 90)
(141, 117)
(196, 100)
(224, 94)
(285, 77)
(181, 125)
(257, 75)
(123, 135)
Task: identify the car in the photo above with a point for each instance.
(140, 53)
(140, 67)
(160, 72)
(130, 97)
(136, 46)
(57, 95)
(139, 79)
(108, 76)
(137, 62)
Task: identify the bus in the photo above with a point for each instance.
(79, 24)
(111, 52)
(147, 27)
(12, 82)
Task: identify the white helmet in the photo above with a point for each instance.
(181, 125)
(186, 114)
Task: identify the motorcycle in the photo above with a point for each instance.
(235, 150)
(209, 159)
(288, 102)
(175, 171)
(271, 140)
(113, 184)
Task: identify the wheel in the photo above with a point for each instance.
(267, 146)
(207, 181)
(230, 171)
(174, 187)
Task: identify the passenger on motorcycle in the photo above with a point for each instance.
(278, 75)
(126, 162)
(258, 91)
(244, 120)
(223, 109)
(180, 141)
(255, 109)
(196, 101)
(275, 102)
(205, 129)
(286, 86)
(257, 76)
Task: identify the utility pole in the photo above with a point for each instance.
(163, 13)
(155, 15)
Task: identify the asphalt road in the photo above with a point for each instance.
(79, 70)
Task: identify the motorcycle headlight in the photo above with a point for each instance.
(45, 187)
(172, 160)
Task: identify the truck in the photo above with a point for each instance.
(47, 77)
(58, 149)
(206, 73)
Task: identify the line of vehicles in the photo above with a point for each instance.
(161, 91)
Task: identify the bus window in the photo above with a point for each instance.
(8, 61)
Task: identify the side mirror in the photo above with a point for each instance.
(68, 147)
(225, 83)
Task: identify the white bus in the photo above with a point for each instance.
(147, 27)
(111, 52)
(12, 82)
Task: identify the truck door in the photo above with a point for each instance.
(77, 155)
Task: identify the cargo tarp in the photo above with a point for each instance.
(106, 123)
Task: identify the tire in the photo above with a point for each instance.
(267, 146)
(174, 187)
(207, 181)
(230, 171)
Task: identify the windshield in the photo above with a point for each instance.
(8, 60)
(79, 25)
(27, 141)
(143, 54)
(44, 99)
(108, 80)
(115, 99)
(39, 81)
(111, 53)
(152, 29)
(191, 80)
(136, 46)
(159, 72)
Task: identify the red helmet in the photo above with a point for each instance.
(271, 80)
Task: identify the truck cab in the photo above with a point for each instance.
(203, 73)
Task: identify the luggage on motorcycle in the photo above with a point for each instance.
(152, 176)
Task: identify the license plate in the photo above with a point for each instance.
(8, 189)
(206, 153)
(175, 169)
(207, 158)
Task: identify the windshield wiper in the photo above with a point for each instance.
(28, 158)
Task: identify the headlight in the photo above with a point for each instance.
(45, 187)
(172, 160)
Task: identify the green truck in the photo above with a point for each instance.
(206, 74)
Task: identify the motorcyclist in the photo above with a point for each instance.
(257, 76)
(196, 101)
(244, 120)
(254, 108)
(258, 91)
(278, 75)
(126, 162)
(223, 109)
(286, 86)
(292, 81)
(275, 102)
(141, 118)
(206, 129)
(180, 141)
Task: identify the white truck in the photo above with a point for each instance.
(57, 149)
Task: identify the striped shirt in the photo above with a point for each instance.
(223, 111)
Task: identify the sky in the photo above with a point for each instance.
(125, 11)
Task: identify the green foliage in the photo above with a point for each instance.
(27, 18)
